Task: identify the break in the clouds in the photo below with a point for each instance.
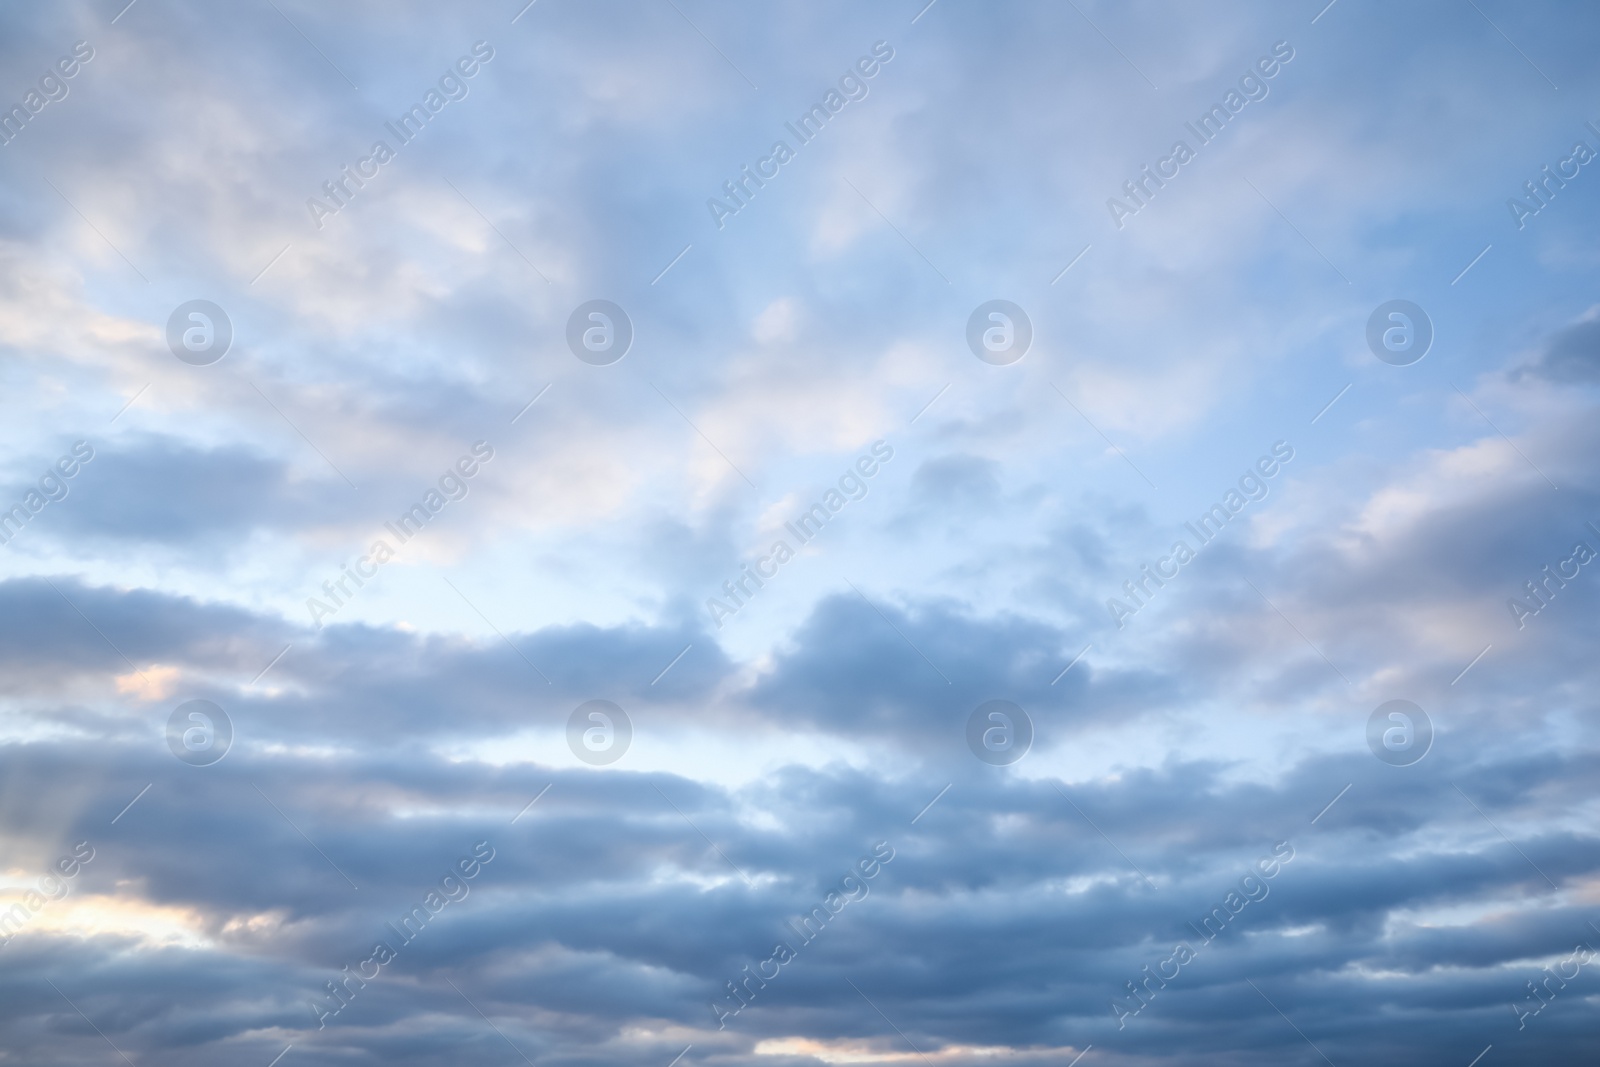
(578, 311)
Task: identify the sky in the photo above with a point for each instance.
(676, 533)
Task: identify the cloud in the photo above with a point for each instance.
(1572, 355)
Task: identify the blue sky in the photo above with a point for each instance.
(376, 737)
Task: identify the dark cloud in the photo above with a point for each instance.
(164, 491)
(1572, 355)
(1010, 914)
(860, 667)
(956, 482)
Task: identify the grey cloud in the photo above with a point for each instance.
(1572, 355)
